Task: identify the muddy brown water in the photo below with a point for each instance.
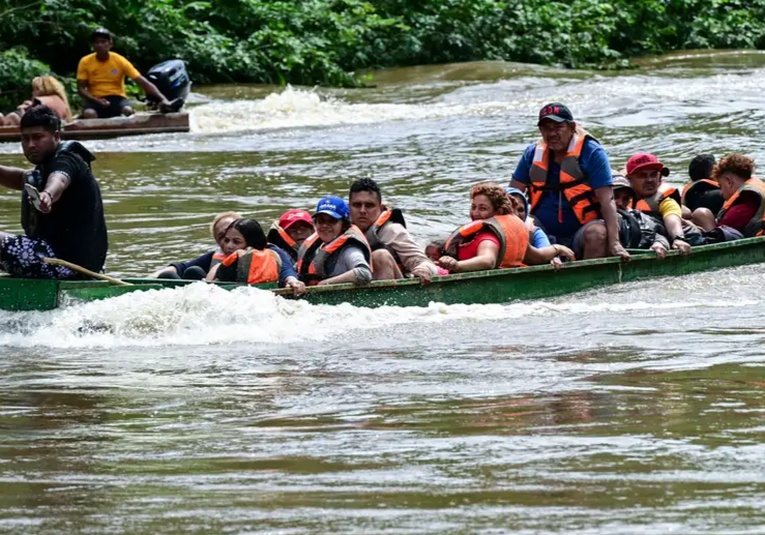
(633, 409)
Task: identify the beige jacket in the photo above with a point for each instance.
(395, 236)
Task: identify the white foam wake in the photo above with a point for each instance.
(292, 108)
(202, 314)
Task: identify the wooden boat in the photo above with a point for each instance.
(480, 287)
(138, 124)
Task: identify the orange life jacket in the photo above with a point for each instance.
(314, 255)
(513, 235)
(650, 205)
(705, 184)
(217, 258)
(756, 225)
(389, 215)
(573, 182)
(255, 266)
(279, 237)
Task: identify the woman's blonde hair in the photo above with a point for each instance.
(219, 217)
(45, 86)
(503, 204)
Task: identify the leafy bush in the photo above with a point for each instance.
(16, 72)
(324, 41)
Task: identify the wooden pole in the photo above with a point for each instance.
(85, 271)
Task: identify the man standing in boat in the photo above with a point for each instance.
(568, 176)
(101, 81)
(61, 209)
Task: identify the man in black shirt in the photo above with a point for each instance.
(61, 209)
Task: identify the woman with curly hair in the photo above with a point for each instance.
(46, 91)
(743, 214)
(496, 238)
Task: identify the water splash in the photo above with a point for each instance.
(201, 314)
(294, 108)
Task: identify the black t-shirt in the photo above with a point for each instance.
(75, 227)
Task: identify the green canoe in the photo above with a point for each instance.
(480, 287)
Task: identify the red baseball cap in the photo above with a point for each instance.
(294, 215)
(643, 160)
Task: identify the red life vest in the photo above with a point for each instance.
(513, 235)
(651, 205)
(756, 225)
(314, 255)
(255, 266)
(573, 182)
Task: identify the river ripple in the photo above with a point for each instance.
(626, 410)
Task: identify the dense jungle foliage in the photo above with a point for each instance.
(325, 41)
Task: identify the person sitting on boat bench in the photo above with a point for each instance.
(291, 230)
(101, 81)
(395, 254)
(199, 267)
(496, 237)
(743, 214)
(568, 177)
(250, 259)
(659, 200)
(337, 252)
(46, 91)
(636, 229)
(701, 191)
(67, 221)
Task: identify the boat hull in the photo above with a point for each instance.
(481, 287)
(138, 124)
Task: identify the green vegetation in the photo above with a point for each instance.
(325, 41)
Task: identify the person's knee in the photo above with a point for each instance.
(194, 273)
(89, 113)
(127, 111)
(595, 234)
(703, 217)
(169, 273)
(384, 265)
(594, 241)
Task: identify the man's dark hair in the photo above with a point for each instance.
(41, 116)
(701, 167)
(365, 184)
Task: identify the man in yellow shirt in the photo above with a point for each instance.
(101, 81)
(657, 199)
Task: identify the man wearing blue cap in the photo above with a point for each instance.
(568, 176)
(338, 252)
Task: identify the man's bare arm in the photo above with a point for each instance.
(151, 89)
(517, 184)
(12, 177)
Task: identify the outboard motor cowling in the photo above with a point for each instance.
(171, 79)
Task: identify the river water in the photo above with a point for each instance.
(633, 409)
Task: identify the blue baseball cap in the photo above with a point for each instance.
(333, 206)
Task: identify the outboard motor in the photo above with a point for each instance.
(171, 79)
